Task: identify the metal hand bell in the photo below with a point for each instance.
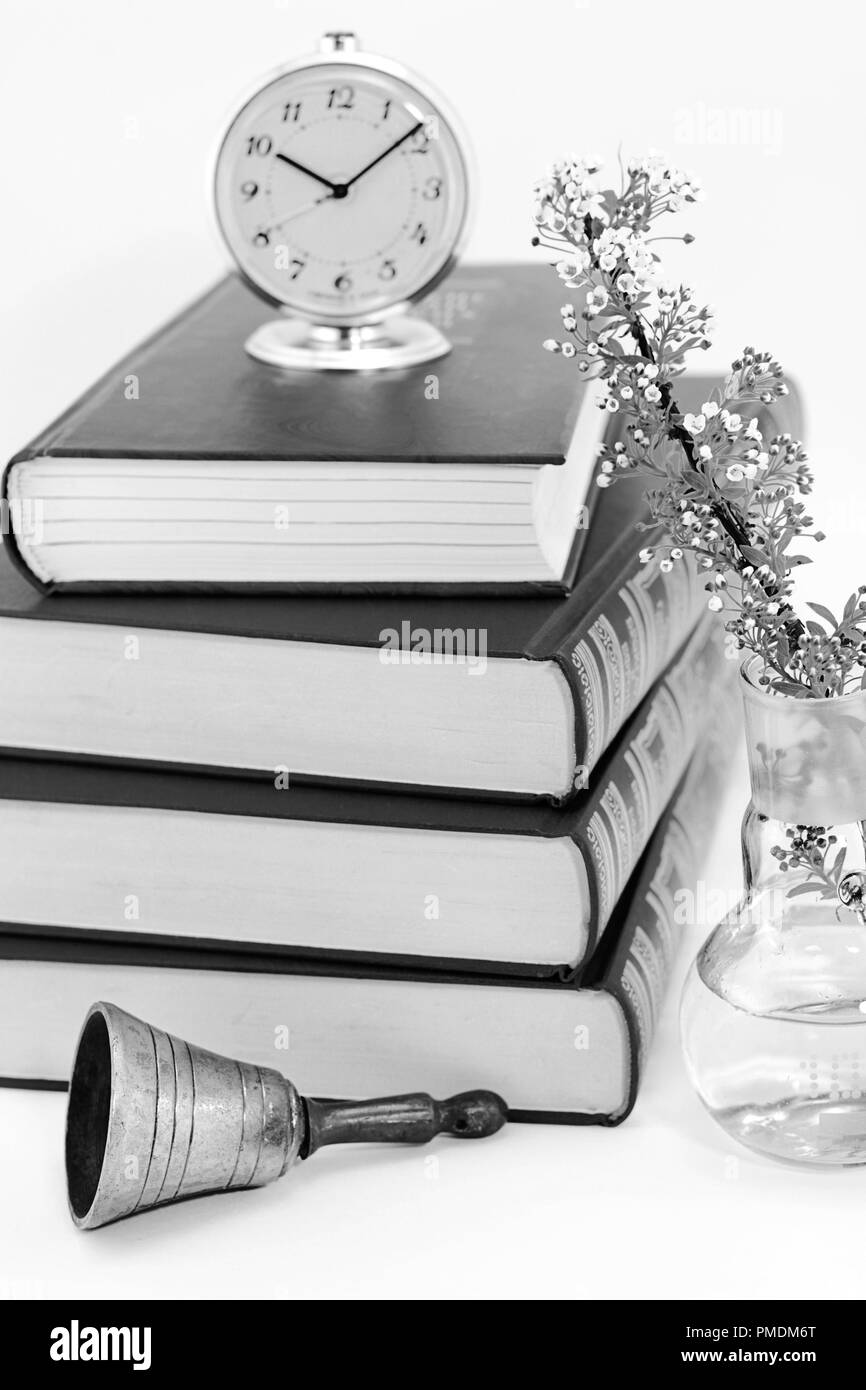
(153, 1119)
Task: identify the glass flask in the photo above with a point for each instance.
(774, 1006)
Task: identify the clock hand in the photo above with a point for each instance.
(299, 212)
(383, 155)
(338, 190)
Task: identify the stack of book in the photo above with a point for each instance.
(340, 717)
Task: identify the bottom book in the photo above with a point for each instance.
(557, 1052)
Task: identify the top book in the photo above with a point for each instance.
(190, 465)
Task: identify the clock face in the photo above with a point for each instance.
(341, 191)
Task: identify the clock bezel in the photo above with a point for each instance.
(427, 92)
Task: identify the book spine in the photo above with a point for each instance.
(621, 646)
(639, 970)
(637, 782)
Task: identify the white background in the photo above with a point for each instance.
(109, 112)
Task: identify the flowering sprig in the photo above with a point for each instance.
(720, 490)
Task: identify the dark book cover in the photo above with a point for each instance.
(500, 399)
(610, 820)
(633, 964)
(611, 637)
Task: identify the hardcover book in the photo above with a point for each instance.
(190, 465)
(507, 697)
(510, 886)
(570, 1053)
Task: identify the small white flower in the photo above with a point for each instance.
(705, 452)
(666, 566)
(653, 394)
(607, 466)
(651, 371)
(592, 349)
(572, 268)
(611, 404)
(569, 324)
(733, 424)
(695, 424)
(709, 409)
(607, 261)
(627, 283)
(626, 393)
(550, 345)
(568, 350)
(676, 553)
(597, 298)
(735, 472)
(603, 480)
(666, 304)
(716, 604)
(645, 555)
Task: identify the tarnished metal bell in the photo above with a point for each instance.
(153, 1119)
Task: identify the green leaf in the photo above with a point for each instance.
(800, 889)
(815, 629)
(838, 863)
(785, 687)
(824, 613)
(754, 557)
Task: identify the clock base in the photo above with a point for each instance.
(402, 341)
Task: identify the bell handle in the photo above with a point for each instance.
(410, 1119)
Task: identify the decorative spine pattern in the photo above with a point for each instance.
(656, 933)
(635, 795)
(627, 646)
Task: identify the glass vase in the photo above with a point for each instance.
(774, 1006)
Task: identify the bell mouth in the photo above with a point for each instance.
(88, 1114)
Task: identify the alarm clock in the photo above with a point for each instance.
(342, 191)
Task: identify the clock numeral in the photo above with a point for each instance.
(261, 240)
(420, 234)
(387, 270)
(343, 283)
(386, 110)
(433, 188)
(292, 111)
(259, 144)
(249, 189)
(342, 98)
(295, 268)
(420, 142)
